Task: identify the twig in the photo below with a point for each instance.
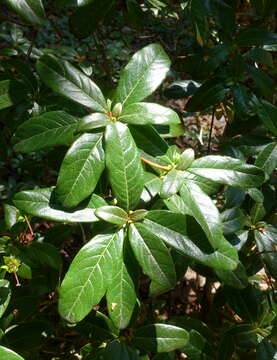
(165, 168)
(211, 130)
(29, 225)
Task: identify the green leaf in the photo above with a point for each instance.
(93, 264)
(227, 170)
(160, 338)
(153, 256)
(208, 186)
(148, 113)
(93, 121)
(40, 203)
(65, 79)
(42, 131)
(138, 215)
(124, 165)
(11, 215)
(226, 347)
(209, 94)
(266, 351)
(237, 278)
(245, 335)
(171, 228)
(81, 169)
(267, 112)
(198, 348)
(142, 75)
(5, 296)
(233, 220)
(11, 93)
(266, 243)
(121, 294)
(86, 20)
(112, 214)
(181, 89)
(256, 37)
(45, 254)
(152, 186)
(8, 354)
(31, 11)
(267, 159)
(171, 184)
(260, 56)
(115, 350)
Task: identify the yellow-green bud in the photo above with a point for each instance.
(185, 160)
(117, 109)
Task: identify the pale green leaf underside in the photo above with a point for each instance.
(49, 129)
(80, 170)
(89, 275)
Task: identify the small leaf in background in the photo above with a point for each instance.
(5, 296)
(256, 37)
(267, 159)
(160, 338)
(81, 169)
(11, 93)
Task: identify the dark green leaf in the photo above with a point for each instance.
(171, 228)
(267, 112)
(237, 278)
(45, 254)
(31, 11)
(86, 20)
(233, 220)
(115, 350)
(266, 243)
(80, 170)
(198, 348)
(124, 165)
(93, 264)
(70, 82)
(208, 94)
(227, 170)
(5, 296)
(208, 186)
(260, 56)
(40, 203)
(267, 158)
(148, 113)
(226, 347)
(245, 335)
(11, 93)
(266, 351)
(160, 338)
(181, 89)
(148, 139)
(142, 75)
(49, 129)
(153, 256)
(112, 214)
(11, 215)
(121, 294)
(256, 37)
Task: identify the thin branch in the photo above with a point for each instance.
(151, 163)
(211, 130)
(29, 225)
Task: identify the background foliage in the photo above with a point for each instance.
(138, 178)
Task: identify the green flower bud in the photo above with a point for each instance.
(185, 160)
(117, 109)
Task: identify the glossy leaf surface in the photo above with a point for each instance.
(153, 256)
(124, 165)
(142, 75)
(80, 170)
(8, 354)
(93, 264)
(147, 113)
(160, 338)
(227, 170)
(112, 214)
(70, 82)
(40, 203)
(49, 129)
(31, 11)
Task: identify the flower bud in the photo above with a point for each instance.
(185, 160)
(117, 109)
